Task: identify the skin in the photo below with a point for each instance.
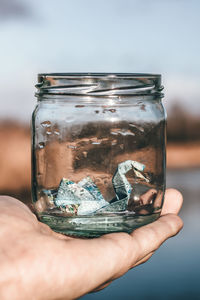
(37, 263)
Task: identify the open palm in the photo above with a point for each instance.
(37, 263)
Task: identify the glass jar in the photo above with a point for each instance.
(98, 152)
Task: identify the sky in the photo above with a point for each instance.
(150, 36)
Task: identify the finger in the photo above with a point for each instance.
(144, 259)
(172, 203)
(148, 238)
(16, 210)
(6, 202)
(101, 287)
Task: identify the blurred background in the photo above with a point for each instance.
(111, 36)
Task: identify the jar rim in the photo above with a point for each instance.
(99, 74)
(99, 84)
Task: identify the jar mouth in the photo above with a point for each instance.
(99, 84)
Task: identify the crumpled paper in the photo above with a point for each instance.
(84, 197)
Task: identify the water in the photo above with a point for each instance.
(173, 272)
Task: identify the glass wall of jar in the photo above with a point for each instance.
(98, 152)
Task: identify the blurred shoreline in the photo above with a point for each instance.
(15, 158)
(183, 155)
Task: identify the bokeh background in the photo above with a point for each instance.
(111, 36)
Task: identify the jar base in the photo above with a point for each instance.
(93, 226)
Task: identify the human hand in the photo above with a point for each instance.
(37, 263)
